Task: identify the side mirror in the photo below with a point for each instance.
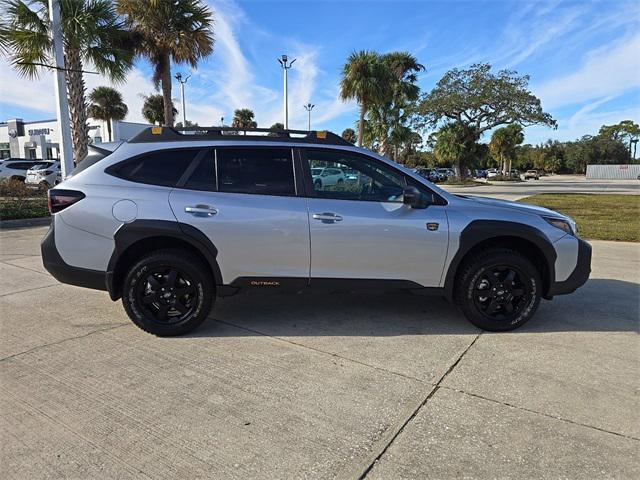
(414, 198)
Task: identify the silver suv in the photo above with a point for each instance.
(171, 220)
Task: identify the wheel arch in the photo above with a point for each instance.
(132, 240)
(481, 235)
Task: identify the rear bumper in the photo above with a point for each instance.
(580, 274)
(65, 273)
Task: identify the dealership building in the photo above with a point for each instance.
(40, 139)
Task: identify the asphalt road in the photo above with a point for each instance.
(331, 386)
(549, 184)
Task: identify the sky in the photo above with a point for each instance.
(583, 59)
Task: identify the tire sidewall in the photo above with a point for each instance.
(531, 278)
(137, 314)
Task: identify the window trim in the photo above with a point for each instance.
(308, 180)
(111, 169)
(296, 184)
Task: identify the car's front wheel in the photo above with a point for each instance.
(168, 292)
(498, 290)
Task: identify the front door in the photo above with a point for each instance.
(360, 229)
(245, 200)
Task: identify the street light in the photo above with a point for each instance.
(184, 107)
(286, 66)
(635, 144)
(308, 107)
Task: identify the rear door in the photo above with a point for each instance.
(361, 229)
(246, 201)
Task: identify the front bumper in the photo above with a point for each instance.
(580, 274)
(65, 273)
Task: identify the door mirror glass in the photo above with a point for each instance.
(414, 198)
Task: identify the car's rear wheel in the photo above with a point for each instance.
(498, 290)
(168, 292)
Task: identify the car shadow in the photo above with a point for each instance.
(602, 305)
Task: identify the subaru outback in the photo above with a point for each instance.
(174, 219)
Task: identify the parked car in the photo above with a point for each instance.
(492, 173)
(327, 177)
(430, 174)
(43, 174)
(531, 174)
(16, 168)
(169, 222)
(480, 174)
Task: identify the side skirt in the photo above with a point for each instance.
(270, 285)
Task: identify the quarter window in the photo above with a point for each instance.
(265, 171)
(353, 177)
(204, 175)
(164, 167)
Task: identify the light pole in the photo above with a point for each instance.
(286, 66)
(308, 107)
(635, 144)
(62, 103)
(184, 107)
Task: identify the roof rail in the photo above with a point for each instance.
(173, 134)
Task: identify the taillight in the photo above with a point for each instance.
(61, 199)
(48, 172)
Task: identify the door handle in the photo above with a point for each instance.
(327, 217)
(201, 211)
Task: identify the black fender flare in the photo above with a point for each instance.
(479, 231)
(131, 233)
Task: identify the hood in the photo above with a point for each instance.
(522, 207)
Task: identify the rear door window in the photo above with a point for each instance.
(261, 171)
(164, 167)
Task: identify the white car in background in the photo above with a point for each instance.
(327, 177)
(16, 168)
(43, 174)
(492, 172)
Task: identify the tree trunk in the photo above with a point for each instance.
(77, 105)
(109, 128)
(166, 91)
(363, 110)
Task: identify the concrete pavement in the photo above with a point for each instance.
(322, 386)
(549, 184)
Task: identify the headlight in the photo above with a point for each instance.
(560, 223)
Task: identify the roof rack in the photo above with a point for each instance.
(173, 134)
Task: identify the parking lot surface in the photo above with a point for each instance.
(322, 386)
(548, 184)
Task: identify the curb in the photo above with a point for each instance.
(24, 222)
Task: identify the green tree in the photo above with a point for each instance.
(276, 127)
(389, 116)
(349, 134)
(189, 123)
(244, 118)
(449, 144)
(479, 100)
(153, 109)
(92, 33)
(366, 80)
(107, 105)
(504, 142)
(178, 31)
(625, 132)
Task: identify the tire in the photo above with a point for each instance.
(151, 292)
(513, 289)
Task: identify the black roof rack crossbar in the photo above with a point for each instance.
(172, 134)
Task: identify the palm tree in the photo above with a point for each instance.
(449, 145)
(243, 118)
(92, 33)
(178, 31)
(349, 135)
(107, 105)
(153, 109)
(503, 144)
(364, 79)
